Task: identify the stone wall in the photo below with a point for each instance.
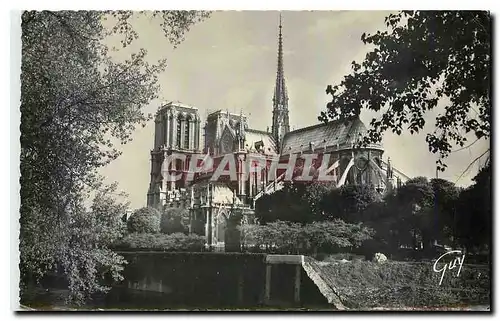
(156, 280)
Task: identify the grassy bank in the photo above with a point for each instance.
(364, 284)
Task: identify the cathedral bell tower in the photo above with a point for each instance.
(281, 124)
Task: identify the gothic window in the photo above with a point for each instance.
(226, 143)
(221, 228)
(178, 140)
(186, 135)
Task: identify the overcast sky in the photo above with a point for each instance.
(229, 62)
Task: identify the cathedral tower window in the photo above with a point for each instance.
(178, 140)
(186, 134)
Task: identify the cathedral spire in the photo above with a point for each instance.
(280, 124)
(280, 91)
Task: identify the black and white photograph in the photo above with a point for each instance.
(254, 160)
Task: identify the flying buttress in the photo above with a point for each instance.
(346, 171)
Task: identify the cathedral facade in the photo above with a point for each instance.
(212, 203)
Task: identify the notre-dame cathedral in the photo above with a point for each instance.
(178, 130)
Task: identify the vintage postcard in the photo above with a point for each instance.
(255, 160)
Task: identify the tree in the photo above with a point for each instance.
(446, 195)
(316, 195)
(288, 204)
(419, 211)
(303, 203)
(379, 216)
(299, 202)
(77, 103)
(144, 220)
(349, 202)
(424, 56)
(413, 206)
(84, 254)
(416, 191)
(174, 220)
(474, 213)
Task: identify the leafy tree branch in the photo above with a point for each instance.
(423, 57)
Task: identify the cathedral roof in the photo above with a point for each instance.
(253, 136)
(341, 133)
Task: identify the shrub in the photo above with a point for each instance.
(164, 242)
(283, 237)
(144, 220)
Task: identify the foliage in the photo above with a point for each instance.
(77, 102)
(288, 204)
(278, 235)
(87, 258)
(474, 213)
(284, 237)
(436, 210)
(424, 57)
(144, 220)
(446, 196)
(315, 194)
(174, 220)
(416, 215)
(296, 202)
(416, 192)
(418, 211)
(315, 201)
(164, 242)
(349, 202)
(83, 255)
(358, 197)
(337, 233)
(413, 206)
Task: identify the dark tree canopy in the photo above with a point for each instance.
(288, 204)
(316, 201)
(473, 223)
(423, 57)
(349, 202)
